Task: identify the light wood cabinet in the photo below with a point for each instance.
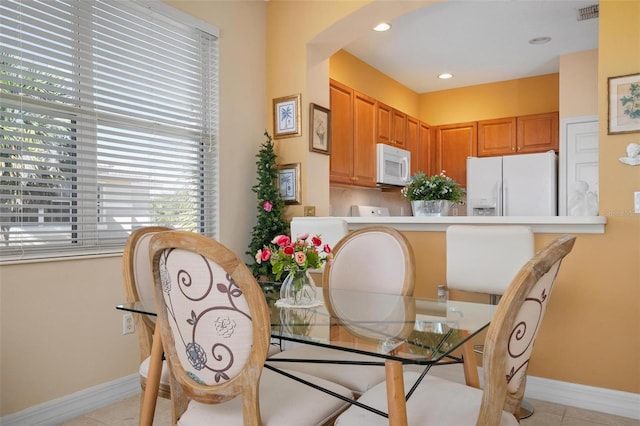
(497, 137)
(518, 135)
(454, 143)
(390, 126)
(353, 129)
(538, 133)
(412, 142)
(419, 144)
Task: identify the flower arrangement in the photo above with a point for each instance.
(436, 187)
(293, 256)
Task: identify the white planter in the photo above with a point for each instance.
(430, 208)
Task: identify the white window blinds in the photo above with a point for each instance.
(108, 115)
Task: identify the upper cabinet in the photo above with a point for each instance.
(518, 135)
(353, 130)
(390, 126)
(454, 143)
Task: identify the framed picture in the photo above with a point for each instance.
(289, 183)
(286, 117)
(624, 104)
(319, 129)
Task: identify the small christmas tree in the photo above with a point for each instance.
(270, 209)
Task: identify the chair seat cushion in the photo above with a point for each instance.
(435, 402)
(283, 402)
(164, 375)
(357, 378)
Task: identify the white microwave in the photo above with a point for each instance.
(393, 165)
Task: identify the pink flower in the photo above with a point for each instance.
(281, 240)
(288, 250)
(302, 236)
(267, 206)
(316, 241)
(258, 257)
(300, 257)
(326, 249)
(265, 254)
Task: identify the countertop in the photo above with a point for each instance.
(539, 224)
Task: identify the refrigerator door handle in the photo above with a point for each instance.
(503, 189)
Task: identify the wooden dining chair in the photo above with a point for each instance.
(375, 259)
(215, 328)
(507, 351)
(138, 285)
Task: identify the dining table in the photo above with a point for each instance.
(398, 331)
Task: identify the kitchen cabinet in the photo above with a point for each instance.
(537, 133)
(454, 143)
(353, 129)
(497, 137)
(419, 143)
(390, 126)
(518, 135)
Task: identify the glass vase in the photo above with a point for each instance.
(298, 289)
(430, 207)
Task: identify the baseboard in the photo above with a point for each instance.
(625, 404)
(51, 413)
(76, 404)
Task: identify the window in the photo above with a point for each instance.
(108, 122)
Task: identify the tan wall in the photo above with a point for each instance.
(579, 84)
(60, 332)
(523, 96)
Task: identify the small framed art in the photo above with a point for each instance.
(286, 117)
(319, 129)
(624, 104)
(289, 183)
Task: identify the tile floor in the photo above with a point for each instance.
(125, 413)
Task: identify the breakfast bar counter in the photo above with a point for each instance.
(539, 224)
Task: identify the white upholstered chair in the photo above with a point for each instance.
(138, 285)
(508, 346)
(215, 328)
(376, 259)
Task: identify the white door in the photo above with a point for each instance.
(580, 192)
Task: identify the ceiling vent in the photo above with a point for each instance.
(589, 12)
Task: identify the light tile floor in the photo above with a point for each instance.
(125, 413)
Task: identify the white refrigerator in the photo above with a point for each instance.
(513, 185)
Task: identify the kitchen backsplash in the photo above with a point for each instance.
(341, 198)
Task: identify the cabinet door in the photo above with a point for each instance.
(497, 137)
(384, 116)
(341, 159)
(364, 143)
(412, 143)
(538, 133)
(456, 142)
(398, 128)
(426, 149)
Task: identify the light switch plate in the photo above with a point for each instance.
(636, 202)
(309, 210)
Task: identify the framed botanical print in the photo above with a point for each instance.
(319, 129)
(286, 117)
(289, 183)
(624, 104)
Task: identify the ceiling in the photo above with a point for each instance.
(478, 41)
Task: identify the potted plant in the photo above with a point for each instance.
(432, 195)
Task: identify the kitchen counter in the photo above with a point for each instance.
(539, 224)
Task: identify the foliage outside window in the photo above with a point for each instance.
(108, 122)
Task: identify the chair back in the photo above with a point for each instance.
(376, 259)
(138, 281)
(485, 259)
(214, 321)
(514, 328)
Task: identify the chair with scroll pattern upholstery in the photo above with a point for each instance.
(377, 259)
(215, 329)
(138, 285)
(508, 347)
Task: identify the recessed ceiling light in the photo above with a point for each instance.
(382, 27)
(540, 40)
(445, 76)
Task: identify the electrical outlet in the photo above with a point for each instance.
(309, 210)
(636, 202)
(128, 326)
